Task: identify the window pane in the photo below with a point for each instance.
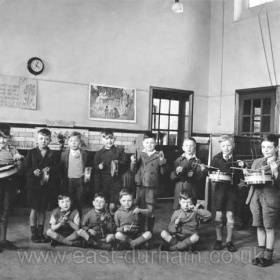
(246, 124)
(187, 108)
(156, 105)
(164, 106)
(254, 3)
(155, 121)
(247, 107)
(163, 136)
(186, 135)
(265, 124)
(156, 134)
(172, 141)
(257, 124)
(186, 123)
(163, 122)
(173, 122)
(257, 107)
(266, 105)
(174, 107)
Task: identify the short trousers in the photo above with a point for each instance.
(146, 197)
(38, 198)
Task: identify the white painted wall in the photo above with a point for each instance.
(135, 43)
(244, 60)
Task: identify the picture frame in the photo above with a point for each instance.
(111, 103)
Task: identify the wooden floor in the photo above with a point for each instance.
(41, 261)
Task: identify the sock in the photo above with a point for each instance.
(230, 227)
(59, 238)
(138, 241)
(260, 252)
(83, 234)
(218, 227)
(268, 254)
(182, 245)
(173, 241)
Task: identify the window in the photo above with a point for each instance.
(254, 3)
(256, 111)
(171, 115)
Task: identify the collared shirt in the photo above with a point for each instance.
(75, 153)
(227, 157)
(149, 153)
(188, 157)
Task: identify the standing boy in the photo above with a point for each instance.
(9, 184)
(98, 226)
(104, 181)
(184, 223)
(224, 192)
(73, 163)
(126, 220)
(39, 161)
(65, 222)
(148, 169)
(188, 171)
(264, 201)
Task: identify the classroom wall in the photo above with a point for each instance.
(244, 64)
(134, 44)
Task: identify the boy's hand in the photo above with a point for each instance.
(190, 173)
(241, 163)
(131, 228)
(179, 169)
(162, 160)
(136, 210)
(177, 221)
(191, 208)
(47, 169)
(101, 165)
(245, 172)
(17, 157)
(274, 168)
(202, 167)
(133, 159)
(92, 232)
(37, 172)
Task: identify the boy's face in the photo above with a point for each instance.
(149, 144)
(74, 142)
(108, 140)
(64, 204)
(185, 203)
(99, 203)
(189, 147)
(268, 149)
(227, 147)
(4, 140)
(126, 201)
(43, 140)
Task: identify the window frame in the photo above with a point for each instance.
(177, 94)
(241, 95)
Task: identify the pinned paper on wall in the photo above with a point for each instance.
(18, 92)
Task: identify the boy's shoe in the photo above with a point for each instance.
(123, 246)
(5, 244)
(164, 246)
(230, 246)
(43, 239)
(79, 243)
(263, 262)
(54, 243)
(218, 245)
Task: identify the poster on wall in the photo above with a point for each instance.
(60, 137)
(114, 104)
(18, 92)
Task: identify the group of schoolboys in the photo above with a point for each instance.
(118, 218)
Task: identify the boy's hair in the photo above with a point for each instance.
(75, 134)
(148, 135)
(271, 138)
(125, 192)
(5, 129)
(63, 196)
(107, 131)
(44, 131)
(190, 139)
(99, 194)
(188, 194)
(225, 137)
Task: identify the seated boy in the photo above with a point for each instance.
(9, 184)
(126, 220)
(184, 223)
(104, 181)
(65, 223)
(98, 226)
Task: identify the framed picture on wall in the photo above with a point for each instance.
(114, 104)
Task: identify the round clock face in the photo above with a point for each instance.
(35, 65)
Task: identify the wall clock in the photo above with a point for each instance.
(35, 65)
